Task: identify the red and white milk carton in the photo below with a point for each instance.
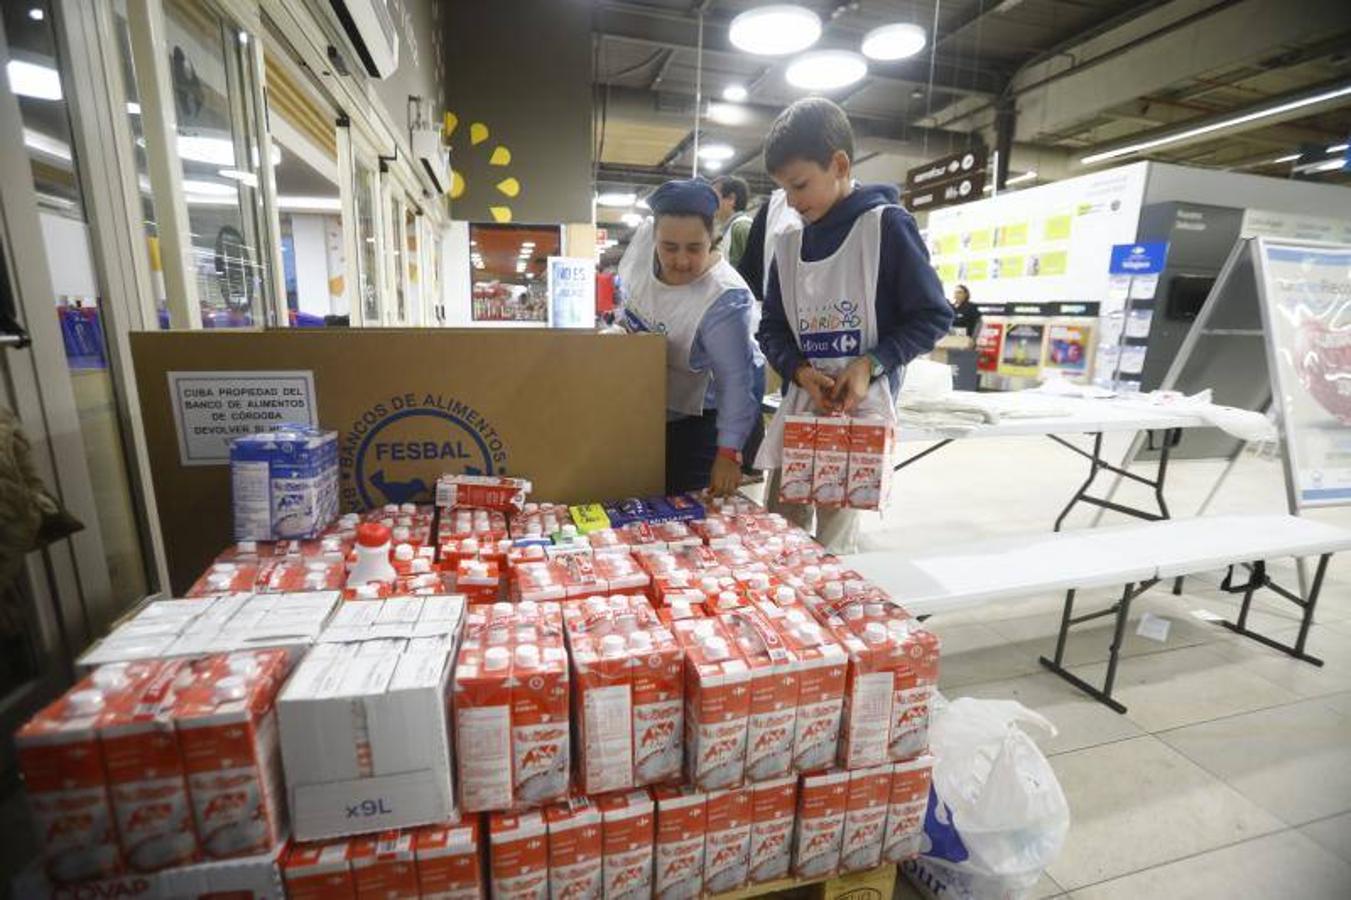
(773, 814)
(799, 459)
(540, 742)
(480, 580)
(482, 700)
(866, 726)
(865, 818)
(518, 855)
(657, 669)
(869, 481)
(575, 871)
(916, 679)
(384, 866)
(727, 845)
(627, 837)
(63, 774)
(907, 803)
(319, 871)
(774, 693)
(448, 861)
(226, 721)
(482, 491)
(717, 705)
(680, 830)
(146, 778)
(830, 472)
(603, 712)
(822, 801)
(822, 671)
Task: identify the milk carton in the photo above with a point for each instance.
(657, 670)
(482, 700)
(774, 694)
(865, 818)
(869, 481)
(822, 673)
(518, 856)
(603, 712)
(822, 803)
(227, 733)
(575, 868)
(318, 871)
(284, 483)
(680, 830)
(717, 705)
(627, 838)
(773, 814)
(799, 459)
(539, 724)
(907, 802)
(916, 679)
(483, 491)
(384, 866)
(728, 840)
(447, 858)
(830, 470)
(866, 725)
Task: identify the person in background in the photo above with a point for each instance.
(735, 224)
(675, 285)
(851, 297)
(966, 316)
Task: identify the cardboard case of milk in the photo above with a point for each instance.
(284, 482)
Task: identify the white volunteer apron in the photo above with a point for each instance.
(831, 307)
(780, 219)
(674, 312)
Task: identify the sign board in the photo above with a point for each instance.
(213, 408)
(1138, 259)
(1305, 290)
(967, 162)
(962, 189)
(572, 292)
(411, 404)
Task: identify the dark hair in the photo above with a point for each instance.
(731, 185)
(707, 220)
(812, 129)
(964, 289)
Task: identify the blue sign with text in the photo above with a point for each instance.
(1139, 259)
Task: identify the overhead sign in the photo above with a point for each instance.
(966, 163)
(213, 408)
(1139, 259)
(964, 189)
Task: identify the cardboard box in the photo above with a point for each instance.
(822, 803)
(773, 814)
(797, 474)
(869, 481)
(447, 856)
(773, 694)
(865, 818)
(830, 470)
(384, 866)
(728, 840)
(907, 804)
(681, 824)
(518, 856)
(575, 865)
(627, 838)
(319, 871)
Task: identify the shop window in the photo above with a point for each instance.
(366, 194)
(412, 259)
(510, 271)
(396, 254)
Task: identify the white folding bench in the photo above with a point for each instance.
(1136, 556)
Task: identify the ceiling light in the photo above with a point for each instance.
(1338, 148)
(308, 204)
(1330, 165)
(32, 80)
(713, 165)
(631, 219)
(198, 148)
(1218, 125)
(728, 114)
(1019, 179)
(826, 70)
(734, 92)
(717, 152)
(134, 108)
(891, 42)
(208, 188)
(775, 30)
(246, 177)
(36, 14)
(1285, 159)
(614, 198)
(527, 243)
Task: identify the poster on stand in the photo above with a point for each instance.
(1022, 350)
(1306, 308)
(1067, 348)
(988, 344)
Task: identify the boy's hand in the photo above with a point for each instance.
(817, 384)
(725, 479)
(852, 385)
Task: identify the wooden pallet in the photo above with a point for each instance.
(874, 884)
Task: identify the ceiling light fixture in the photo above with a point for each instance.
(133, 108)
(892, 42)
(631, 219)
(287, 203)
(713, 165)
(616, 199)
(32, 80)
(642, 204)
(208, 188)
(734, 93)
(36, 14)
(728, 114)
(717, 152)
(775, 30)
(1285, 159)
(1338, 148)
(826, 70)
(1218, 125)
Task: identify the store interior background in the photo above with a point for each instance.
(295, 196)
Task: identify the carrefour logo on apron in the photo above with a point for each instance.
(393, 451)
(832, 331)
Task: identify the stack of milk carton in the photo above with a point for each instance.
(835, 461)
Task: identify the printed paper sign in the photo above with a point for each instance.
(572, 292)
(213, 408)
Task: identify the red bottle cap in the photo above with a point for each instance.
(372, 534)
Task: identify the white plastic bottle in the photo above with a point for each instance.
(372, 549)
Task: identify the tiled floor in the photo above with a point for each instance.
(1230, 774)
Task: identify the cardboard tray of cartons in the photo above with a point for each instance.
(874, 884)
(246, 878)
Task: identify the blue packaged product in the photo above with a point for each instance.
(284, 483)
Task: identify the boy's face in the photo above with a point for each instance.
(684, 248)
(812, 189)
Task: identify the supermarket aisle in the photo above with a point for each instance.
(1231, 773)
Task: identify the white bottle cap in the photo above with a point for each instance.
(853, 612)
(708, 584)
(527, 655)
(728, 598)
(796, 616)
(530, 508)
(834, 590)
(527, 609)
(224, 567)
(110, 677)
(247, 547)
(420, 566)
(680, 608)
(900, 628)
(640, 641)
(875, 633)
(569, 531)
(784, 594)
(612, 645)
(526, 634)
(809, 634)
(811, 573)
(230, 688)
(403, 552)
(367, 591)
(219, 580)
(469, 545)
(502, 610)
(715, 648)
(495, 659)
(533, 530)
(83, 703)
(408, 508)
(873, 610)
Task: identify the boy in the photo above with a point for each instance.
(851, 297)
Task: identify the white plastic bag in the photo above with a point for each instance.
(997, 816)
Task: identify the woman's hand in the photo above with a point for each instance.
(852, 385)
(817, 384)
(725, 479)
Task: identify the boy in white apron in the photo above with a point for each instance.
(851, 297)
(675, 285)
